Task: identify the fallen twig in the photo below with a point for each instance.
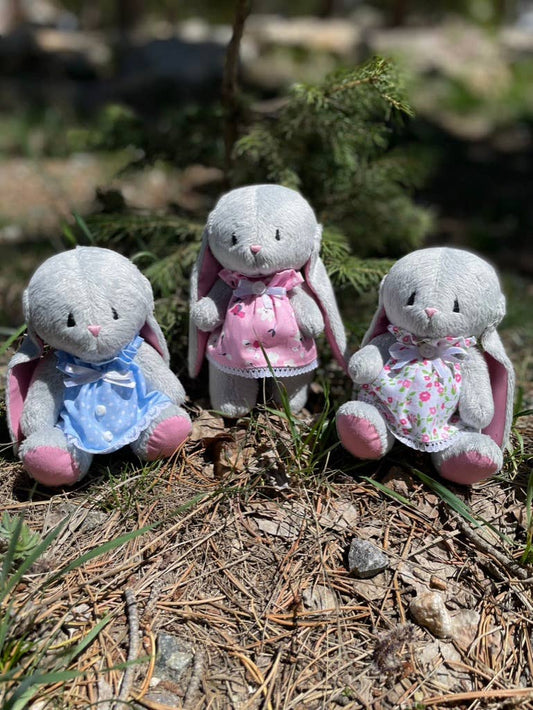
(133, 621)
(488, 549)
(194, 682)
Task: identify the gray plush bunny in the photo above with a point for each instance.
(260, 295)
(104, 381)
(432, 371)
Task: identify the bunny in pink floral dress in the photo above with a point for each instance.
(260, 296)
(260, 329)
(432, 371)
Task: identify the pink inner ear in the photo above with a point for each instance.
(381, 325)
(206, 279)
(338, 355)
(150, 337)
(19, 380)
(500, 385)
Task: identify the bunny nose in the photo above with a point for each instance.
(430, 312)
(94, 329)
(255, 248)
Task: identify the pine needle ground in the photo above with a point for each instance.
(246, 565)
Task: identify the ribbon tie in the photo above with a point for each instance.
(259, 288)
(83, 375)
(439, 353)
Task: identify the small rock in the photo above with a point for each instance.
(365, 559)
(428, 610)
(173, 657)
(437, 583)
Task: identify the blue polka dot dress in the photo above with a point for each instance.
(106, 405)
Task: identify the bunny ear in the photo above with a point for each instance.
(502, 381)
(203, 277)
(153, 335)
(380, 321)
(318, 281)
(20, 372)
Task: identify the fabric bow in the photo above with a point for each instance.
(259, 288)
(83, 375)
(439, 353)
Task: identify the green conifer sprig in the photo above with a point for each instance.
(331, 141)
(345, 269)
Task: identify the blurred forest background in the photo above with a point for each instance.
(117, 110)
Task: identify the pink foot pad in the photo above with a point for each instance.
(51, 466)
(468, 468)
(167, 436)
(359, 437)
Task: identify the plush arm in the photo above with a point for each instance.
(157, 375)
(44, 399)
(208, 313)
(306, 311)
(476, 404)
(366, 364)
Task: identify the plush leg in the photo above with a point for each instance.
(164, 435)
(363, 431)
(471, 458)
(297, 389)
(50, 460)
(232, 395)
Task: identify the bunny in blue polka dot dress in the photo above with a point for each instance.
(92, 374)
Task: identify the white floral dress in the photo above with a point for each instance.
(418, 389)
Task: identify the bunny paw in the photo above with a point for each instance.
(51, 466)
(164, 435)
(50, 461)
(472, 458)
(362, 431)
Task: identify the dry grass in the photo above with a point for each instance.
(253, 577)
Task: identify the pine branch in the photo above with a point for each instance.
(230, 96)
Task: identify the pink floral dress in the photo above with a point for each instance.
(418, 389)
(260, 329)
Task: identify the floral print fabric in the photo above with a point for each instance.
(418, 389)
(260, 328)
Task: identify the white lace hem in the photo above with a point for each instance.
(259, 372)
(427, 446)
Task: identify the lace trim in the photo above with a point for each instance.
(259, 372)
(429, 446)
(127, 438)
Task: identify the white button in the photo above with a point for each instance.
(428, 351)
(108, 435)
(100, 410)
(259, 287)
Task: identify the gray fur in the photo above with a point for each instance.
(232, 395)
(308, 315)
(67, 293)
(247, 216)
(208, 313)
(366, 364)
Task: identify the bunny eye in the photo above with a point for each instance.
(411, 299)
(115, 314)
(70, 321)
(278, 235)
(234, 239)
(456, 306)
